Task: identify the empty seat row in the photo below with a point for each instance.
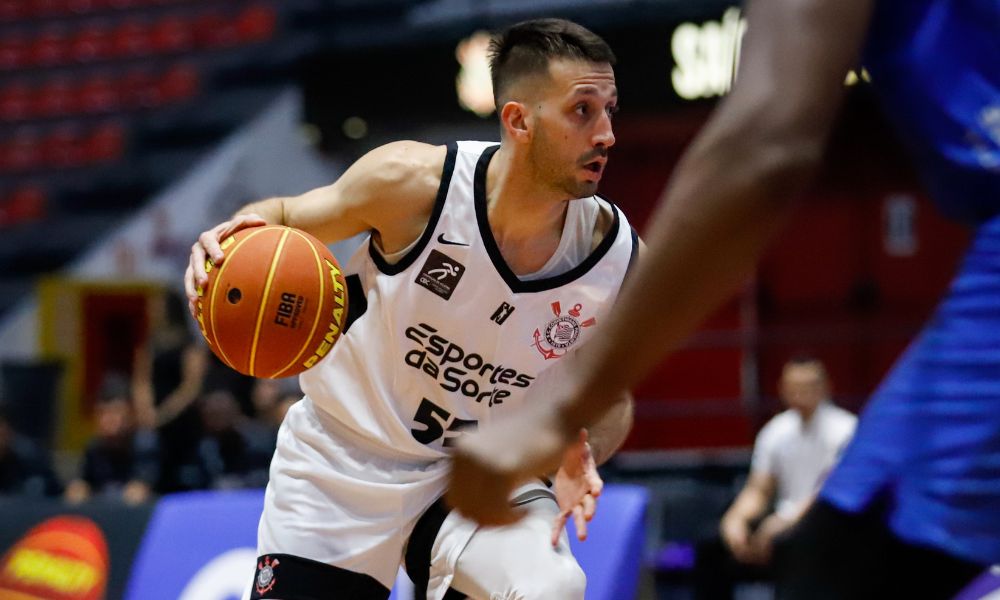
(97, 94)
(63, 147)
(134, 38)
(16, 10)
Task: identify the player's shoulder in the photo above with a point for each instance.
(407, 163)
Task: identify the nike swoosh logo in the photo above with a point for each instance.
(449, 242)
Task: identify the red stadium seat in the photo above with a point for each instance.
(91, 43)
(26, 203)
(56, 98)
(49, 48)
(81, 7)
(131, 39)
(22, 152)
(214, 30)
(139, 89)
(13, 52)
(15, 102)
(179, 83)
(106, 143)
(63, 148)
(99, 94)
(45, 8)
(12, 10)
(256, 23)
(172, 34)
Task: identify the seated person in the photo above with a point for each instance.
(234, 451)
(25, 468)
(792, 455)
(120, 462)
(271, 400)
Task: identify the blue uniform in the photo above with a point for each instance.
(928, 444)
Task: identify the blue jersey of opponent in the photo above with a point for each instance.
(936, 66)
(928, 444)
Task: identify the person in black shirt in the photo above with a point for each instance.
(121, 461)
(234, 450)
(25, 468)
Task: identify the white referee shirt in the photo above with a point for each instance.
(800, 454)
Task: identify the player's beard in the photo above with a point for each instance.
(558, 173)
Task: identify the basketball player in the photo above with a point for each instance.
(486, 265)
(913, 509)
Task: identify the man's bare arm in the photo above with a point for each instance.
(728, 196)
(389, 191)
(381, 192)
(732, 189)
(609, 432)
(753, 500)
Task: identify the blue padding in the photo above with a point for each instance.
(986, 585)
(188, 532)
(202, 545)
(612, 555)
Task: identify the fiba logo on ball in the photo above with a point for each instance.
(275, 305)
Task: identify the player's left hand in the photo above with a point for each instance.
(577, 486)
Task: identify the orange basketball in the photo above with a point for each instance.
(276, 304)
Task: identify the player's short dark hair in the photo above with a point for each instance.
(527, 47)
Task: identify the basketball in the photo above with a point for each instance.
(276, 304)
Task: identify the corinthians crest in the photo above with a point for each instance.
(561, 332)
(265, 575)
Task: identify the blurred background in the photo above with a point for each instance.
(129, 126)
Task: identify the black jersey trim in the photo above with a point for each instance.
(411, 256)
(635, 253)
(537, 285)
(357, 303)
(420, 545)
(296, 578)
(533, 495)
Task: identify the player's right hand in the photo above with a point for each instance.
(487, 465)
(207, 246)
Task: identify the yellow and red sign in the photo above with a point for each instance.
(64, 558)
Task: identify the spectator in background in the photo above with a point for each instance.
(271, 400)
(792, 455)
(168, 377)
(25, 468)
(121, 461)
(234, 451)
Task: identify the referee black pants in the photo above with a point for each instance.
(834, 555)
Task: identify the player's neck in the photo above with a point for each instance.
(526, 218)
(519, 208)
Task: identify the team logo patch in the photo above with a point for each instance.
(561, 332)
(265, 575)
(440, 274)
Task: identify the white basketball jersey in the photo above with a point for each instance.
(449, 337)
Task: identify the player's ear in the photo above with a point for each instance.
(514, 120)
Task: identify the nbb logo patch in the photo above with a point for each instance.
(64, 558)
(440, 274)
